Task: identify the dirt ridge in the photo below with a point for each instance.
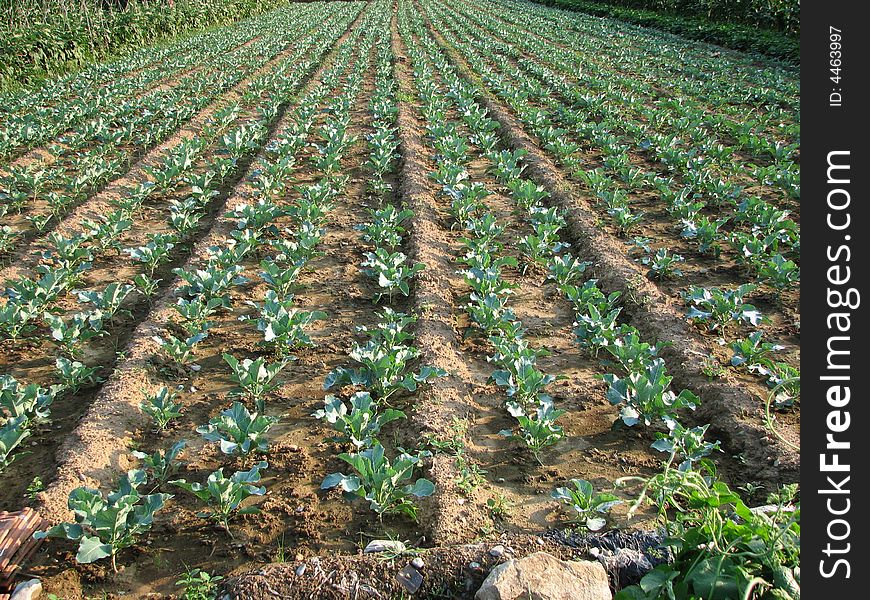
(447, 397)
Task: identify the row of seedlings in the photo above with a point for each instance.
(656, 56)
(764, 133)
(642, 391)
(597, 314)
(763, 551)
(383, 369)
(514, 358)
(72, 259)
(661, 128)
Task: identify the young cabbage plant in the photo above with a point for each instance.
(13, 432)
(595, 330)
(78, 330)
(160, 465)
(687, 446)
(161, 407)
(785, 381)
(283, 325)
(521, 380)
(224, 495)
(281, 276)
(74, 375)
(211, 283)
(7, 237)
(359, 423)
(30, 401)
(391, 330)
(565, 269)
(147, 286)
(16, 317)
(663, 265)
(591, 508)
(254, 377)
(752, 352)
(633, 354)
(154, 253)
(390, 271)
(490, 312)
(104, 526)
(719, 308)
(69, 253)
(526, 193)
(108, 302)
(233, 251)
(488, 280)
(385, 229)
(379, 481)
(258, 216)
(196, 312)
(238, 431)
(706, 232)
(624, 219)
(645, 395)
(589, 295)
(779, 272)
(297, 245)
(538, 430)
(384, 370)
(179, 351)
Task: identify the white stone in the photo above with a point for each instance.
(30, 589)
(384, 546)
(542, 576)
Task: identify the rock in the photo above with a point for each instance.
(410, 578)
(542, 576)
(496, 551)
(32, 588)
(417, 563)
(300, 570)
(384, 546)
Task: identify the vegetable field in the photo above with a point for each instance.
(417, 270)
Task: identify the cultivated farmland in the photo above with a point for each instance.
(419, 270)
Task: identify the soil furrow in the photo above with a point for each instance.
(447, 398)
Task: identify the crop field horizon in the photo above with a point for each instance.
(460, 275)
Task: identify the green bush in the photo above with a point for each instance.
(45, 37)
(769, 27)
